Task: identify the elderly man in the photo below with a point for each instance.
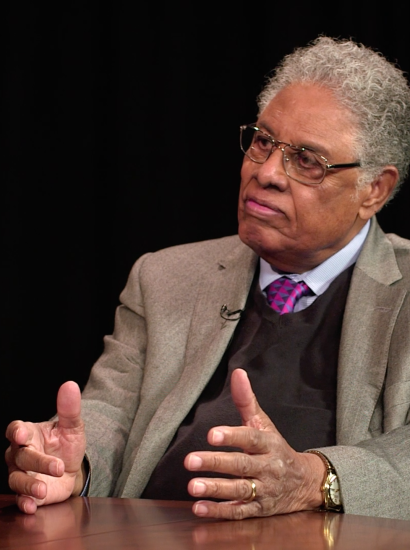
(268, 372)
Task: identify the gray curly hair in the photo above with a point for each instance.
(375, 91)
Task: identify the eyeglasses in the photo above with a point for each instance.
(300, 164)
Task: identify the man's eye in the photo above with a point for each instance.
(262, 142)
(306, 159)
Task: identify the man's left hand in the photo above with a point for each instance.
(284, 480)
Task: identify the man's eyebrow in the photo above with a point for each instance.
(264, 128)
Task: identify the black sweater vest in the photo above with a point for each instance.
(291, 361)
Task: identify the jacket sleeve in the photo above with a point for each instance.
(373, 475)
(112, 394)
(373, 469)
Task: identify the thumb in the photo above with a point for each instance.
(69, 405)
(246, 402)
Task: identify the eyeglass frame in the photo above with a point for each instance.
(275, 143)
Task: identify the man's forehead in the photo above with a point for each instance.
(308, 115)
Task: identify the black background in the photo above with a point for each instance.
(110, 114)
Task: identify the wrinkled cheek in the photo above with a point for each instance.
(241, 204)
(243, 185)
(247, 173)
(240, 209)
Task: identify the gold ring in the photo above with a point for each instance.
(253, 494)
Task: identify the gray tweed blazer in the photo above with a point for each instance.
(169, 338)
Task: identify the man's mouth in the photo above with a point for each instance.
(263, 208)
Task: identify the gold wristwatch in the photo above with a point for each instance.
(332, 499)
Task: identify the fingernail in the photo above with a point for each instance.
(194, 462)
(217, 436)
(199, 488)
(55, 469)
(200, 509)
(35, 490)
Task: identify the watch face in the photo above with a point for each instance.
(334, 491)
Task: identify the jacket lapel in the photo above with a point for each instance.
(371, 311)
(209, 336)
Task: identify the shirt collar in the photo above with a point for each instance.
(320, 278)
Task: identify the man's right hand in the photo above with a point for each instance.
(45, 460)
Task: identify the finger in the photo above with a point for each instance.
(225, 489)
(246, 402)
(250, 440)
(232, 463)
(19, 432)
(234, 510)
(28, 459)
(25, 484)
(26, 504)
(69, 406)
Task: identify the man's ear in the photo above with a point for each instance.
(377, 192)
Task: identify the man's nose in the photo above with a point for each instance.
(272, 171)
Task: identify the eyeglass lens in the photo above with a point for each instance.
(300, 164)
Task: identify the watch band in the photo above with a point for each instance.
(329, 487)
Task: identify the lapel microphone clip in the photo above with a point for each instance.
(229, 315)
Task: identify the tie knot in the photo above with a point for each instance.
(283, 294)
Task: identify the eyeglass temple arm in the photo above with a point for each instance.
(349, 165)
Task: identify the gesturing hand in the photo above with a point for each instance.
(45, 459)
(284, 480)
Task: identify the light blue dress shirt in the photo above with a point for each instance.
(319, 278)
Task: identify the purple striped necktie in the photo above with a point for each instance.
(283, 294)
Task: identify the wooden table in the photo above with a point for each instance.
(117, 524)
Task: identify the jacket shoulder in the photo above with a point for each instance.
(399, 243)
(191, 262)
(194, 255)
